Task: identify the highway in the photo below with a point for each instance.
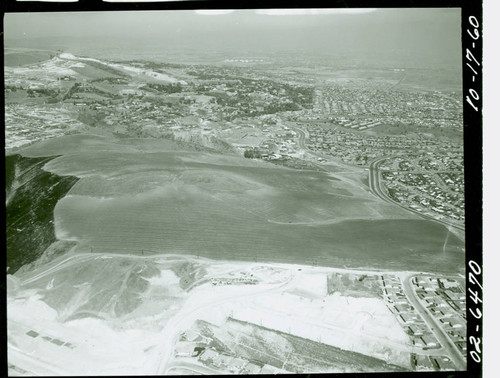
(375, 183)
(441, 336)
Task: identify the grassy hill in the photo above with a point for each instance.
(153, 196)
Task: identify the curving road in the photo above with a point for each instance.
(375, 182)
(441, 335)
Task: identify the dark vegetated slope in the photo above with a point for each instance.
(94, 72)
(32, 194)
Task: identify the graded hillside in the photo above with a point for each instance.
(152, 197)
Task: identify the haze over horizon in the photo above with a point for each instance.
(417, 36)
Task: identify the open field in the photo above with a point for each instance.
(14, 57)
(151, 197)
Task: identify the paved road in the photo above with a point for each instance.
(349, 169)
(441, 335)
(375, 183)
(302, 144)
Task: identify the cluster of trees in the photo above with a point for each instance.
(157, 66)
(12, 88)
(106, 68)
(71, 91)
(285, 97)
(276, 107)
(202, 75)
(252, 154)
(166, 88)
(361, 159)
(301, 95)
(110, 80)
(43, 92)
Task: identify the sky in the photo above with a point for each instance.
(425, 33)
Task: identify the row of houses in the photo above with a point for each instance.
(233, 281)
(445, 300)
(427, 363)
(405, 313)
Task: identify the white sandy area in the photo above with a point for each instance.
(166, 278)
(54, 66)
(346, 329)
(97, 348)
(291, 298)
(134, 70)
(311, 284)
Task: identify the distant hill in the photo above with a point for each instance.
(15, 58)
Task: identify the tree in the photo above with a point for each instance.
(252, 154)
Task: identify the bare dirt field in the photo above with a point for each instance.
(152, 197)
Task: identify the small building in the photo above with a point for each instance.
(406, 319)
(444, 363)
(424, 363)
(415, 331)
(429, 341)
(403, 307)
(461, 345)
